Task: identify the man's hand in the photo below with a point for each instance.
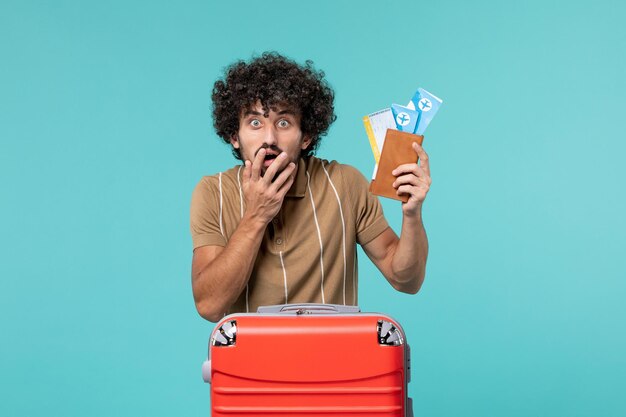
(414, 180)
(264, 197)
(403, 261)
(220, 274)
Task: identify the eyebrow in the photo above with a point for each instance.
(252, 112)
(257, 113)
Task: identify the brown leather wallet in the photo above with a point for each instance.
(397, 150)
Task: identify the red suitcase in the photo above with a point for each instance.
(308, 360)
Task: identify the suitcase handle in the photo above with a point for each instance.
(308, 308)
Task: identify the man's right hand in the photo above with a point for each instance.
(220, 274)
(263, 196)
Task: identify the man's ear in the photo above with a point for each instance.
(306, 141)
(234, 140)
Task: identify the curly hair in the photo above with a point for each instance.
(273, 80)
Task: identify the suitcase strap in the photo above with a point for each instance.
(308, 308)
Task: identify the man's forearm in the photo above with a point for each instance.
(409, 259)
(218, 285)
(220, 277)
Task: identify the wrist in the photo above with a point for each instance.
(253, 224)
(413, 214)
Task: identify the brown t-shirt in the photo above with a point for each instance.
(308, 252)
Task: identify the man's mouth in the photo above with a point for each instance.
(269, 158)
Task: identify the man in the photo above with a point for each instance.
(283, 226)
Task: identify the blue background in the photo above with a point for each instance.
(105, 129)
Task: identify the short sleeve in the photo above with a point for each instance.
(368, 213)
(206, 224)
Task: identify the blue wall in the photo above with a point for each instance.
(105, 129)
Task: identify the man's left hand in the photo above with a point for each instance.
(414, 181)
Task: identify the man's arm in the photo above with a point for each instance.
(220, 274)
(403, 260)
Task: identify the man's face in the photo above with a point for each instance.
(278, 132)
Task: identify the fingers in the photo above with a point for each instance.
(423, 157)
(414, 193)
(407, 169)
(414, 177)
(413, 173)
(279, 163)
(247, 170)
(423, 164)
(406, 189)
(411, 185)
(283, 176)
(412, 170)
(257, 164)
(412, 180)
(285, 180)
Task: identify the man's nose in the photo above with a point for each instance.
(270, 136)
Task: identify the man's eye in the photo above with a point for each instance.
(283, 123)
(255, 123)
